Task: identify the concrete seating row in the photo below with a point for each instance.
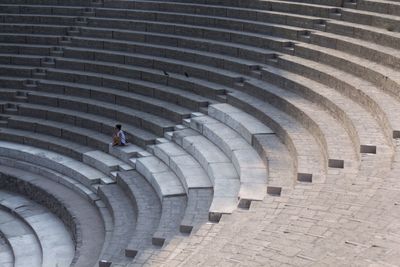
(171, 193)
(79, 215)
(286, 80)
(333, 159)
(62, 164)
(21, 239)
(6, 256)
(185, 99)
(307, 156)
(217, 165)
(352, 15)
(119, 206)
(148, 208)
(121, 97)
(194, 179)
(281, 173)
(248, 165)
(123, 218)
(380, 103)
(392, 82)
(384, 7)
(101, 129)
(55, 243)
(79, 188)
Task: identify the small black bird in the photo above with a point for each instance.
(186, 74)
(165, 73)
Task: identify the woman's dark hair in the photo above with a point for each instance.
(118, 126)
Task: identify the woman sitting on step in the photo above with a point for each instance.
(118, 136)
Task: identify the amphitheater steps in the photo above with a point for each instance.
(75, 134)
(247, 163)
(75, 118)
(171, 193)
(26, 248)
(354, 47)
(329, 14)
(140, 87)
(41, 107)
(376, 79)
(364, 124)
(194, 179)
(52, 175)
(104, 162)
(148, 205)
(281, 172)
(6, 254)
(63, 84)
(57, 248)
(62, 164)
(187, 169)
(302, 146)
(124, 222)
(303, 110)
(373, 99)
(218, 167)
(87, 224)
(165, 182)
(65, 147)
(391, 7)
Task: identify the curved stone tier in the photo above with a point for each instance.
(259, 132)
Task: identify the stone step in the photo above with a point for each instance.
(249, 166)
(80, 215)
(195, 180)
(148, 205)
(24, 244)
(244, 124)
(6, 254)
(124, 222)
(384, 7)
(57, 248)
(368, 136)
(353, 48)
(173, 209)
(54, 161)
(161, 92)
(325, 126)
(84, 191)
(302, 146)
(90, 121)
(281, 169)
(125, 100)
(382, 100)
(67, 148)
(125, 153)
(104, 162)
(71, 133)
(219, 168)
(188, 170)
(163, 180)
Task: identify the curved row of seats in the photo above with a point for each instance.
(319, 82)
(30, 229)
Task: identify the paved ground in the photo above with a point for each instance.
(349, 220)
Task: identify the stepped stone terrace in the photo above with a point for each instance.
(260, 133)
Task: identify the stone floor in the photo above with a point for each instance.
(349, 220)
